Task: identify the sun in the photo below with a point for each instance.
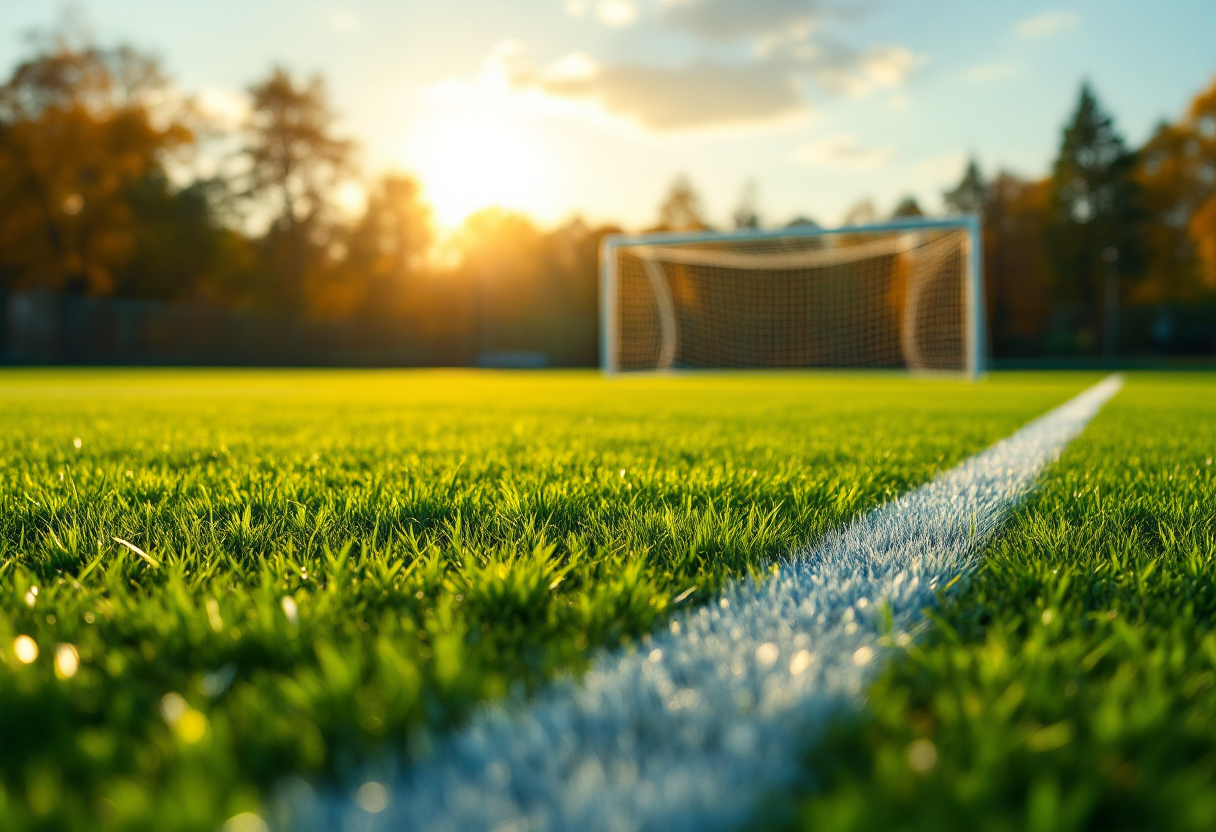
(474, 154)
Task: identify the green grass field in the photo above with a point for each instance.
(324, 566)
(1072, 685)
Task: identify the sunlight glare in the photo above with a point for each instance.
(477, 153)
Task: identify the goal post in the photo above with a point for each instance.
(905, 294)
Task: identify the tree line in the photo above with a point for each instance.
(103, 192)
(112, 183)
(1111, 233)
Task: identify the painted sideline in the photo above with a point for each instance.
(690, 730)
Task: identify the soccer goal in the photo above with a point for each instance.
(895, 295)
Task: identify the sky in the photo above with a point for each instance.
(592, 107)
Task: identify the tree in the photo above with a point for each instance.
(1202, 122)
(1172, 195)
(1203, 229)
(907, 207)
(80, 127)
(387, 247)
(1177, 172)
(502, 260)
(746, 215)
(1016, 272)
(1095, 214)
(182, 250)
(294, 165)
(970, 195)
(681, 210)
(862, 213)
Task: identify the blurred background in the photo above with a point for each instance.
(418, 183)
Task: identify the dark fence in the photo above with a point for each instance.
(1150, 335)
(44, 328)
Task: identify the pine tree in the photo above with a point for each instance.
(1094, 212)
(908, 208)
(971, 195)
(681, 210)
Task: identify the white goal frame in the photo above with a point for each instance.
(975, 336)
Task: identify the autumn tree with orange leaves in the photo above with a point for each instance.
(1201, 122)
(1178, 174)
(79, 127)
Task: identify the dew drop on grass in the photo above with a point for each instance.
(173, 707)
(191, 727)
(499, 774)
(922, 756)
(767, 653)
(213, 616)
(25, 648)
(863, 655)
(245, 822)
(372, 797)
(291, 610)
(67, 661)
(76, 443)
(801, 661)
(188, 724)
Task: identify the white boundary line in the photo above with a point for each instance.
(692, 729)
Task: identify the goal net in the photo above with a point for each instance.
(898, 295)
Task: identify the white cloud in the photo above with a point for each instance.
(616, 13)
(736, 19)
(711, 92)
(842, 151)
(575, 66)
(944, 167)
(1048, 23)
(888, 66)
(343, 20)
(789, 56)
(703, 94)
(994, 71)
(846, 72)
